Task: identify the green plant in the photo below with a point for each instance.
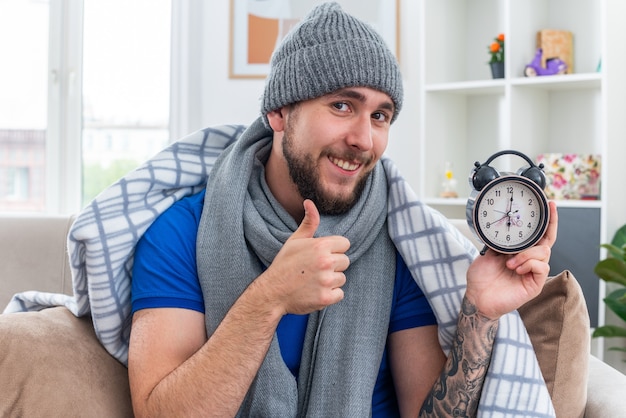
(496, 49)
(613, 270)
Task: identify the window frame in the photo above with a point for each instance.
(64, 126)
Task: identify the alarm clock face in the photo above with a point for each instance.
(510, 214)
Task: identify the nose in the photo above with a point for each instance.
(361, 134)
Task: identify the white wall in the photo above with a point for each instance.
(220, 99)
(225, 100)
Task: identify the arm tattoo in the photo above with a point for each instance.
(457, 390)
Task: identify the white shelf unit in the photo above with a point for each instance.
(466, 116)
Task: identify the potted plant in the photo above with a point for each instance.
(613, 270)
(496, 52)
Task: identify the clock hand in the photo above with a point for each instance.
(500, 219)
(510, 216)
(509, 213)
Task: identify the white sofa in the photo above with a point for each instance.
(70, 369)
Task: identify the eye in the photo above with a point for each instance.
(341, 106)
(380, 116)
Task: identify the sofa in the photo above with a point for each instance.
(51, 363)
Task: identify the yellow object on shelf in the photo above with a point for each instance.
(449, 183)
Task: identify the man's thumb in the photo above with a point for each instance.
(309, 223)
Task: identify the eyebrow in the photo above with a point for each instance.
(356, 95)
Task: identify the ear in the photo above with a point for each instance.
(276, 120)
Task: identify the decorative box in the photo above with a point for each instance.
(571, 176)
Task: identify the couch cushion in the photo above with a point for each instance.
(38, 243)
(558, 324)
(605, 392)
(53, 365)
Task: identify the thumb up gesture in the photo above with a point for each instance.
(307, 273)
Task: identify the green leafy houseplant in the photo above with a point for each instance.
(613, 270)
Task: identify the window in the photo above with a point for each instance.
(126, 63)
(85, 97)
(23, 103)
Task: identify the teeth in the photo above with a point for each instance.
(346, 165)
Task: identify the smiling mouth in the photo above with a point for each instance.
(343, 164)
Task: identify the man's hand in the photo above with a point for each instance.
(498, 283)
(307, 273)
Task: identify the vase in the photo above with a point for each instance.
(497, 69)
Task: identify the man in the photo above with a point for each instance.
(278, 292)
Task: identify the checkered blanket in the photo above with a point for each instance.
(102, 240)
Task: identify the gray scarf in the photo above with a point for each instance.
(242, 229)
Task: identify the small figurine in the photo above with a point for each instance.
(553, 66)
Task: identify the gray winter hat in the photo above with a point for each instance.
(329, 50)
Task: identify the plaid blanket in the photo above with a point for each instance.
(102, 240)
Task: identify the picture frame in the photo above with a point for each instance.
(256, 26)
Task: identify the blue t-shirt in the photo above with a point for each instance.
(165, 276)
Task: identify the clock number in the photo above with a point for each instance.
(521, 234)
(484, 213)
(509, 189)
(532, 213)
(488, 225)
(508, 238)
(530, 202)
(530, 225)
(490, 202)
(497, 193)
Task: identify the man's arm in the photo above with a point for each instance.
(497, 284)
(175, 371)
(457, 391)
(416, 360)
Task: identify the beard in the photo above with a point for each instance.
(303, 171)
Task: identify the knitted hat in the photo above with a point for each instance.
(329, 50)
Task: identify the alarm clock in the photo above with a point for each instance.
(508, 212)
